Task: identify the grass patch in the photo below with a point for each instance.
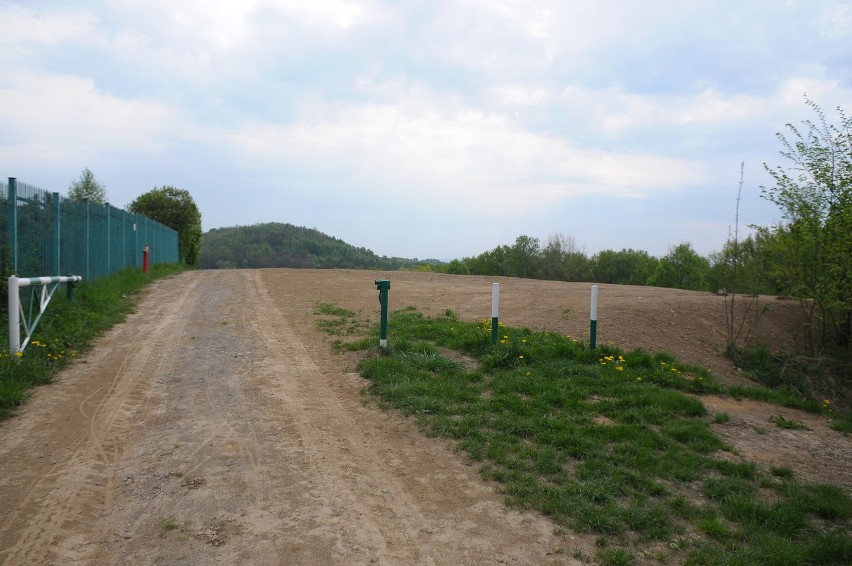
(603, 441)
(721, 418)
(338, 321)
(781, 422)
(68, 327)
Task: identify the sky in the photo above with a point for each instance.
(426, 129)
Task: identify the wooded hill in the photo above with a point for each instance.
(284, 245)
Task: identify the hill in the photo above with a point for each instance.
(277, 244)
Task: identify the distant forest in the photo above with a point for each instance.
(284, 245)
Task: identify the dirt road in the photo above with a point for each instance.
(215, 426)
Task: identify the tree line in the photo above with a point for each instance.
(561, 259)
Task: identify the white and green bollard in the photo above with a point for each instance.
(593, 318)
(495, 306)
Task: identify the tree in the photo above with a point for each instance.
(681, 268)
(563, 260)
(176, 209)
(627, 267)
(523, 257)
(814, 241)
(87, 188)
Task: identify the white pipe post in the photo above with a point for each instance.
(495, 308)
(593, 318)
(14, 316)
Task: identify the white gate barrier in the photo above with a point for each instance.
(17, 316)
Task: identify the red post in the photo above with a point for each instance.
(145, 259)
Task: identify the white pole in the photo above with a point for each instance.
(593, 318)
(14, 316)
(495, 300)
(495, 308)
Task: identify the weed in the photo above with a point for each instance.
(782, 472)
(721, 418)
(168, 524)
(781, 422)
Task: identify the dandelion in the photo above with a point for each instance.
(520, 357)
(638, 379)
(19, 354)
(619, 368)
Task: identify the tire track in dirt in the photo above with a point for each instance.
(79, 486)
(351, 479)
(209, 480)
(394, 496)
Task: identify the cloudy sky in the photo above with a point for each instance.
(428, 129)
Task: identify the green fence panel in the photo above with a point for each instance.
(43, 233)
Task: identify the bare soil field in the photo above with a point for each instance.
(215, 426)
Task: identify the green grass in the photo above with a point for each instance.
(337, 321)
(67, 328)
(781, 422)
(604, 442)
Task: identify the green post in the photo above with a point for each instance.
(383, 285)
(57, 232)
(12, 223)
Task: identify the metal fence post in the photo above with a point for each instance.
(88, 242)
(57, 232)
(107, 207)
(12, 216)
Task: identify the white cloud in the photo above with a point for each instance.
(464, 156)
(24, 30)
(67, 119)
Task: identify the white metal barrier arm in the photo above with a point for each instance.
(16, 308)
